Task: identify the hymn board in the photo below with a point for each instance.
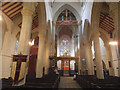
(18, 68)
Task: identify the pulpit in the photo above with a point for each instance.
(18, 68)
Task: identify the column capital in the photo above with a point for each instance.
(27, 12)
(29, 8)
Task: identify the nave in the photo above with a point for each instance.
(43, 42)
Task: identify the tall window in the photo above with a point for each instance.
(65, 48)
(16, 47)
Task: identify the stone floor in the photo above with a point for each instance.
(68, 82)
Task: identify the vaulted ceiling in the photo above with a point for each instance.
(13, 11)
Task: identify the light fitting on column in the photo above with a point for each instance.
(113, 43)
(31, 43)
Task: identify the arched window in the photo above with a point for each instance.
(16, 47)
(65, 48)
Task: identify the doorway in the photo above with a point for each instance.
(66, 67)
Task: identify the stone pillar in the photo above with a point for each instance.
(1, 48)
(41, 49)
(98, 60)
(119, 37)
(53, 43)
(46, 58)
(27, 15)
(73, 49)
(79, 41)
(27, 18)
(47, 51)
(91, 59)
(89, 62)
(115, 13)
(58, 45)
(42, 36)
(108, 59)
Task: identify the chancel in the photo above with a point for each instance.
(60, 44)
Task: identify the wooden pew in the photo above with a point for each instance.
(48, 81)
(90, 81)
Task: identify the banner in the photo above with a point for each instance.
(18, 68)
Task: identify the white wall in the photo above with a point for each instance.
(8, 47)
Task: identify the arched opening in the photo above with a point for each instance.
(66, 26)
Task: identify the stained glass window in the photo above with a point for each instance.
(65, 48)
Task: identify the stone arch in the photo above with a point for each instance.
(69, 7)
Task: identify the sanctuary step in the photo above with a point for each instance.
(91, 81)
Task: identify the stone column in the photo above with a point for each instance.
(58, 45)
(27, 15)
(46, 58)
(98, 60)
(108, 59)
(119, 36)
(89, 62)
(73, 49)
(79, 41)
(47, 51)
(91, 59)
(41, 49)
(53, 43)
(115, 13)
(42, 36)
(27, 18)
(1, 43)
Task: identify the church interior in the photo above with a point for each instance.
(60, 44)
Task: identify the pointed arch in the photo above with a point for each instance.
(69, 7)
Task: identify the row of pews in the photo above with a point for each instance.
(91, 81)
(50, 80)
(6, 82)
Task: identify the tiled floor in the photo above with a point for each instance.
(68, 82)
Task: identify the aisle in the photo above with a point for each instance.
(68, 82)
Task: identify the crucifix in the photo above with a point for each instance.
(66, 14)
(19, 59)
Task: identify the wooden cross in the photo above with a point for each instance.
(19, 59)
(66, 12)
